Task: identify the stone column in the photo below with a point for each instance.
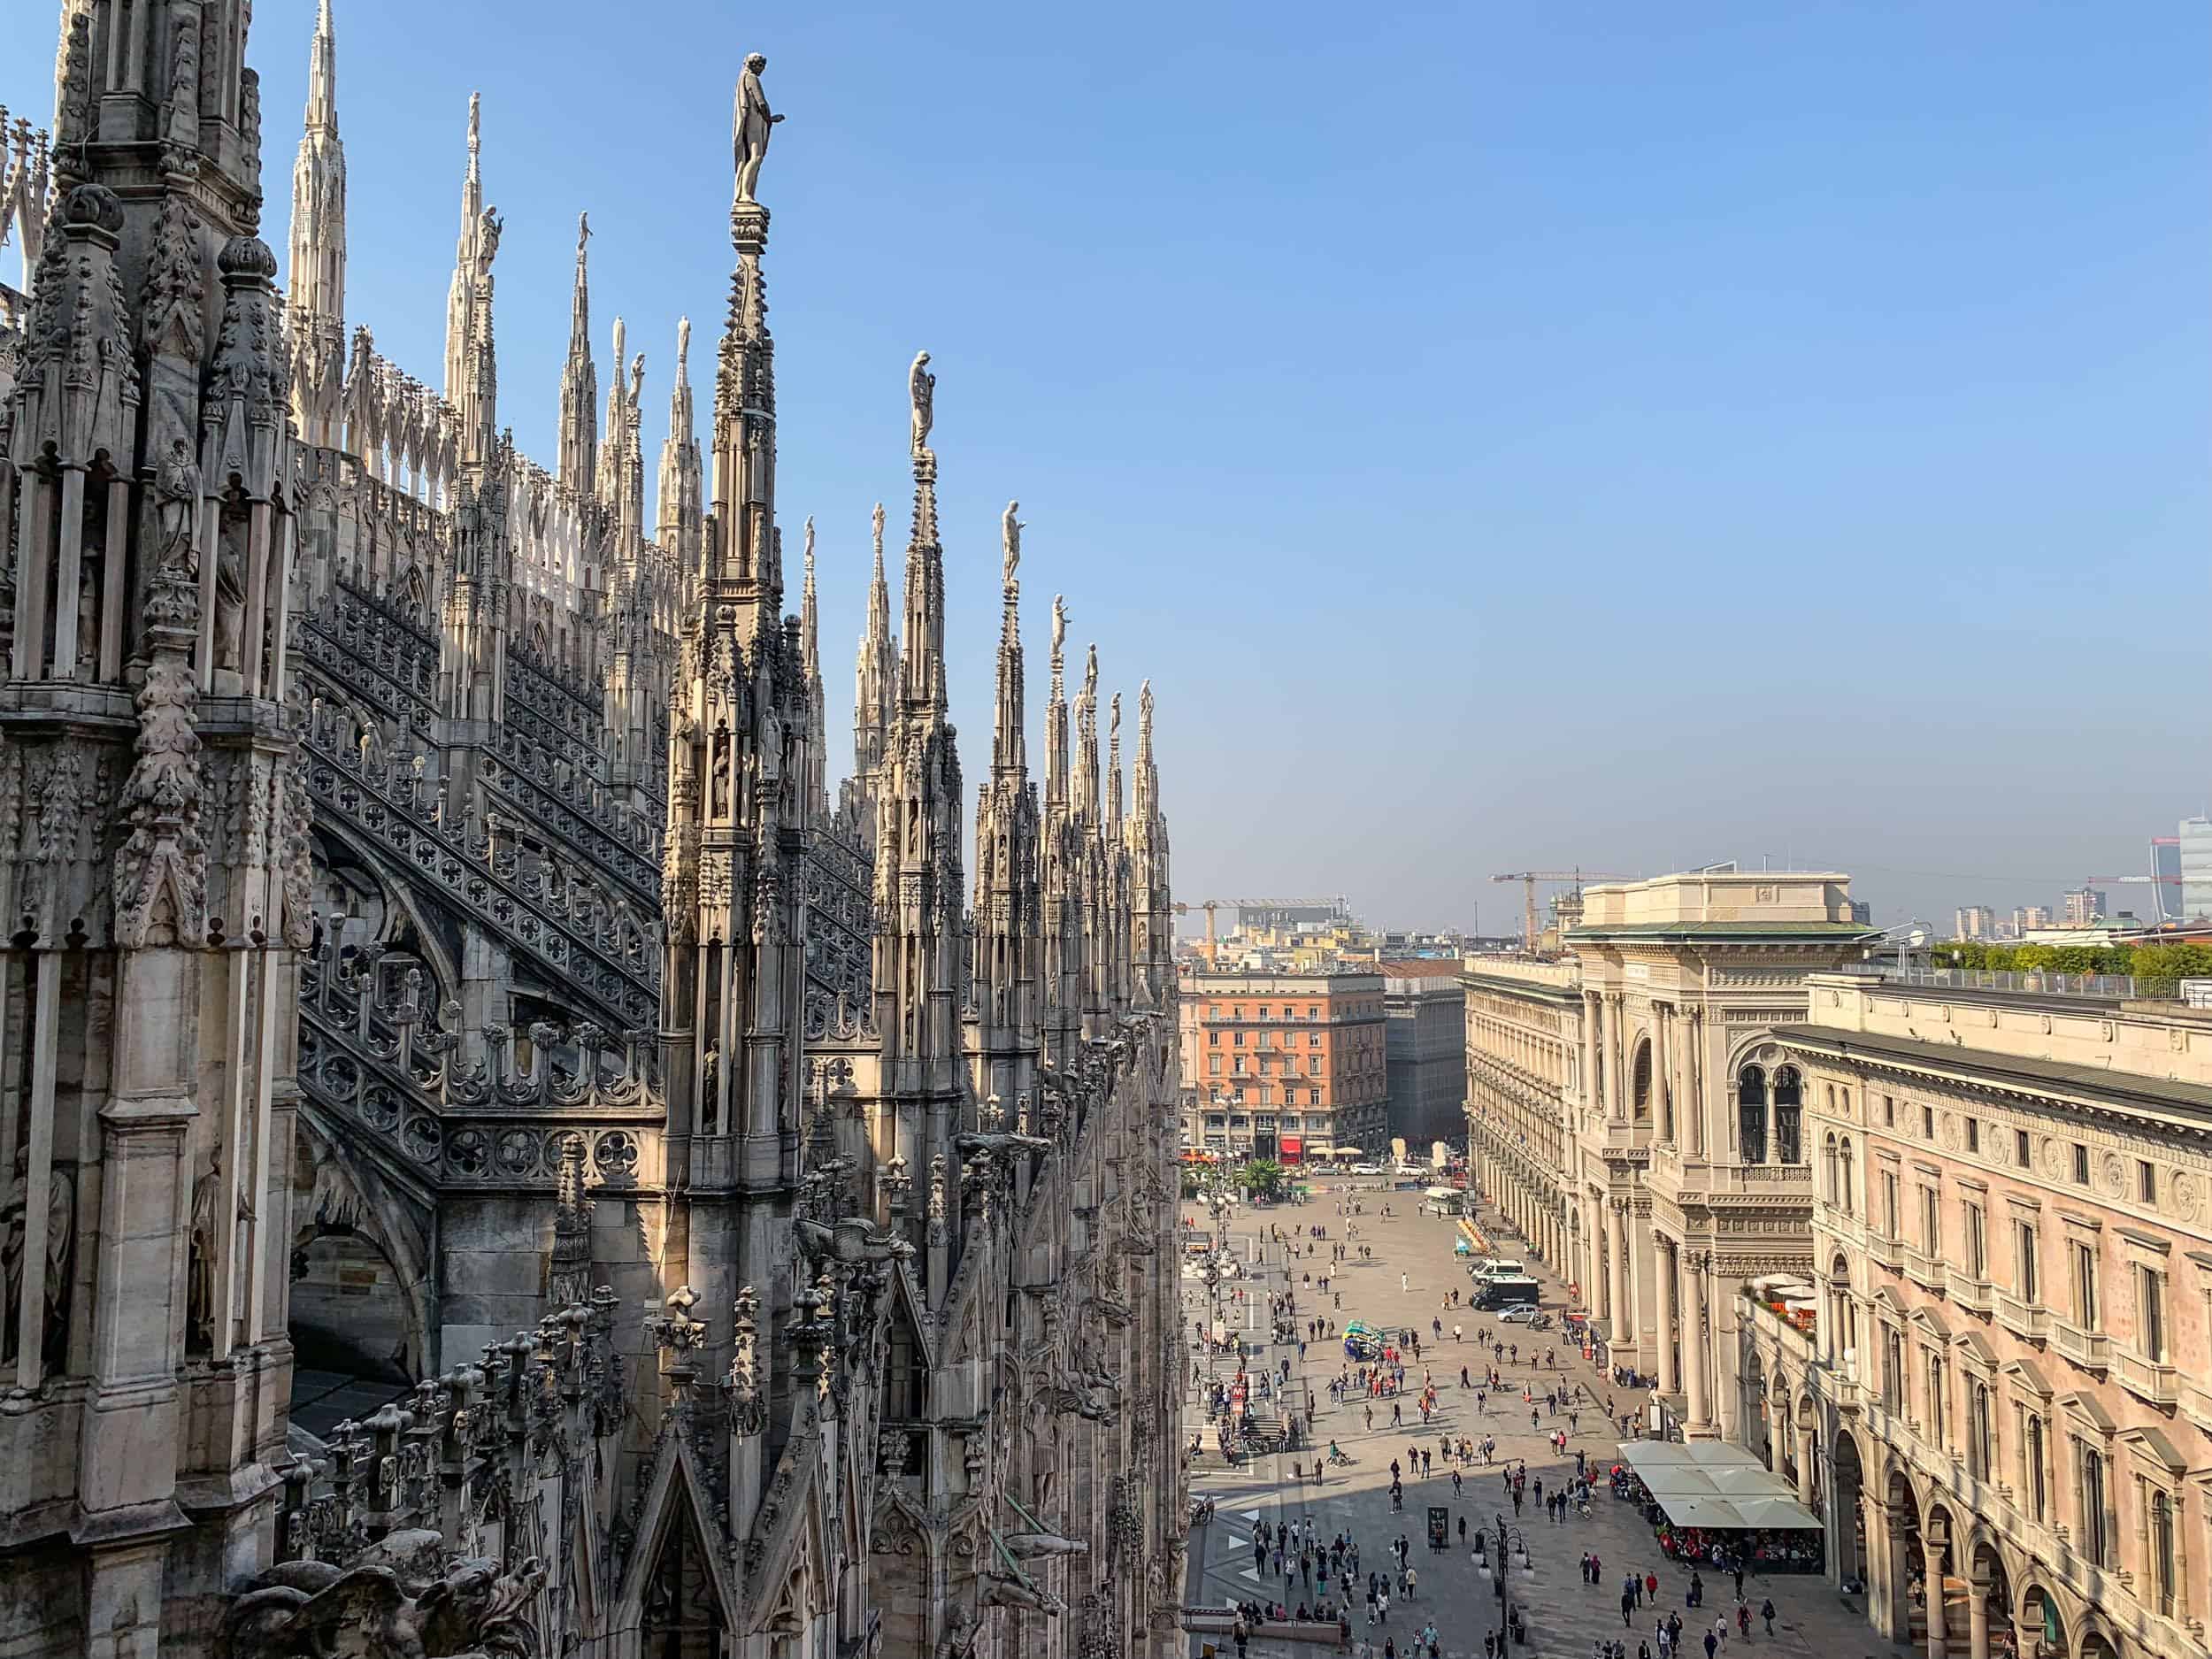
(1978, 1618)
(1776, 1409)
(1694, 1341)
(1665, 1250)
(1616, 1035)
(1624, 1316)
(1600, 1265)
(1932, 1554)
(1805, 1466)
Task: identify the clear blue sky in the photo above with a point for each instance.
(1607, 434)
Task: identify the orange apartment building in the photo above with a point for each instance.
(1283, 1065)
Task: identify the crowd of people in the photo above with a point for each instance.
(1373, 1598)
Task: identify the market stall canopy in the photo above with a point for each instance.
(1710, 1484)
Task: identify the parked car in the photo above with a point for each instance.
(1367, 1169)
(1520, 1313)
(1410, 1169)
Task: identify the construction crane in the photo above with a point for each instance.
(1528, 879)
(1340, 904)
(2158, 898)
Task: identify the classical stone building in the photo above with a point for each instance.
(1283, 1065)
(2000, 1391)
(1424, 1067)
(1664, 1160)
(423, 881)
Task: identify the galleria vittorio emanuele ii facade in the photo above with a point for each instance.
(429, 926)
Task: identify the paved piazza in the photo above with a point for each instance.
(1565, 1617)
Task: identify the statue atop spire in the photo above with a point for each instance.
(1010, 530)
(749, 127)
(921, 390)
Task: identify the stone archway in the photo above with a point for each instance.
(1990, 1627)
(1757, 1407)
(2041, 1626)
(1944, 1593)
(1847, 1476)
(1898, 1593)
(358, 1303)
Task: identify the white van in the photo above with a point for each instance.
(1498, 1267)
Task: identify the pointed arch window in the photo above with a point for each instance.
(1751, 1114)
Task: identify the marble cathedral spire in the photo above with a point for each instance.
(577, 464)
(920, 935)
(1056, 712)
(472, 372)
(875, 674)
(1151, 919)
(922, 669)
(621, 486)
(1113, 769)
(678, 508)
(1007, 937)
(1086, 802)
(811, 662)
(315, 308)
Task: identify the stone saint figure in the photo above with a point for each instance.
(750, 126)
(177, 507)
(1010, 530)
(230, 595)
(1059, 627)
(921, 389)
(199, 1283)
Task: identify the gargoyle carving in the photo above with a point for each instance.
(312, 1610)
(1025, 1546)
(998, 1589)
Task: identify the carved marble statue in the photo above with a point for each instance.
(1010, 530)
(751, 125)
(921, 390)
(177, 498)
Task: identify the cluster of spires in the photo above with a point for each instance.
(601, 460)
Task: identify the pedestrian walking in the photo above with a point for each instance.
(1651, 1587)
(1767, 1613)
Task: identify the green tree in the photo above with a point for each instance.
(1262, 1178)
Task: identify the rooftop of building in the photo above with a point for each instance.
(1722, 901)
(1334, 977)
(1565, 975)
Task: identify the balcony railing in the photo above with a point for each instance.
(1923, 1269)
(2097, 985)
(1974, 1293)
(1885, 1252)
(2196, 1402)
(2090, 1349)
(2145, 1379)
(2031, 1319)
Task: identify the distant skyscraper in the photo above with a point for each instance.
(1973, 921)
(2196, 868)
(2166, 875)
(2034, 917)
(2084, 905)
